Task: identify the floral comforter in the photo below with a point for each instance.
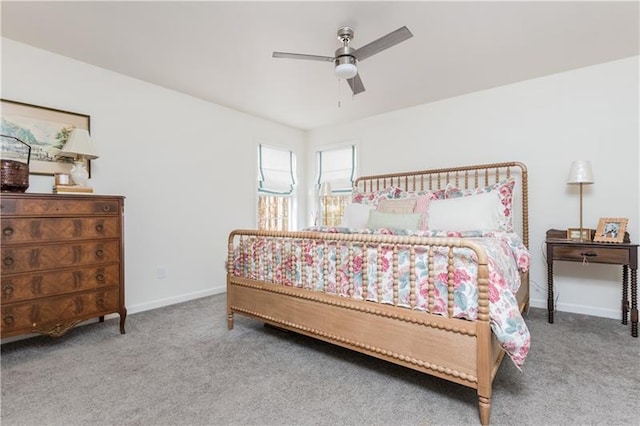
(507, 258)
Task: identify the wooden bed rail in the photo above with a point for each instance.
(289, 245)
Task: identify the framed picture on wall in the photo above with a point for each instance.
(611, 230)
(46, 130)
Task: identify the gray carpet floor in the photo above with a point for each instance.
(179, 365)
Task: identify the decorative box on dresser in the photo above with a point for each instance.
(62, 261)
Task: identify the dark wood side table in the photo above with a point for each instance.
(625, 254)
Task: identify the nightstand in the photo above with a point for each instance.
(625, 254)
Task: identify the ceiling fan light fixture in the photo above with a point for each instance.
(346, 67)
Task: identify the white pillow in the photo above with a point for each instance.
(470, 213)
(356, 215)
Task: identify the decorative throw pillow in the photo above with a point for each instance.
(399, 205)
(374, 197)
(379, 219)
(422, 207)
(433, 194)
(504, 189)
(356, 215)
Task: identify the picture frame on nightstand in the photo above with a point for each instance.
(573, 234)
(611, 230)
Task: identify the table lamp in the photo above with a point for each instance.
(581, 174)
(80, 148)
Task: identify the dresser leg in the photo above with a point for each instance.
(550, 289)
(123, 317)
(625, 287)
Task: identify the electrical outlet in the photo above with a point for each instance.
(161, 272)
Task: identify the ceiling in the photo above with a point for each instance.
(221, 51)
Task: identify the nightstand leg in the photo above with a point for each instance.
(550, 289)
(634, 302)
(625, 300)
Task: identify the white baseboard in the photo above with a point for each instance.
(147, 306)
(579, 309)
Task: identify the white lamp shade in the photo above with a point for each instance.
(580, 172)
(79, 145)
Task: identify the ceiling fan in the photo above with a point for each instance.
(346, 57)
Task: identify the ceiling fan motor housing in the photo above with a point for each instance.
(345, 62)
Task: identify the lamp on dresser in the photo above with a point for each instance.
(79, 147)
(580, 173)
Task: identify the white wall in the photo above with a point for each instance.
(589, 113)
(186, 167)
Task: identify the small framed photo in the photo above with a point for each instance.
(574, 234)
(611, 229)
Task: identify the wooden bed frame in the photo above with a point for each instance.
(457, 350)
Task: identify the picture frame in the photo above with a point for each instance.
(46, 130)
(611, 230)
(573, 234)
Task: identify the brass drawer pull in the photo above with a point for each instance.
(100, 277)
(8, 319)
(7, 261)
(106, 208)
(8, 231)
(100, 302)
(99, 229)
(7, 290)
(100, 253)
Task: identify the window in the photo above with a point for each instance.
(276, 184)
(336, 174)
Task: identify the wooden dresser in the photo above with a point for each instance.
(62, 261)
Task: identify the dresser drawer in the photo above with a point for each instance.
(52, 206)
(592, 254)
(18, 288)
(44, 315)
(15, 230)
(32, 258)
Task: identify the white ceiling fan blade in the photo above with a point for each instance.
(302, 56)
(356, 84)
(384, 42)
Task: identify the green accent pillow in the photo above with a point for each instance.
(394, 220)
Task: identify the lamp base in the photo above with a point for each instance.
(79, 174)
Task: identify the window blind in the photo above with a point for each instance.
(338, 168)
(276, 170)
